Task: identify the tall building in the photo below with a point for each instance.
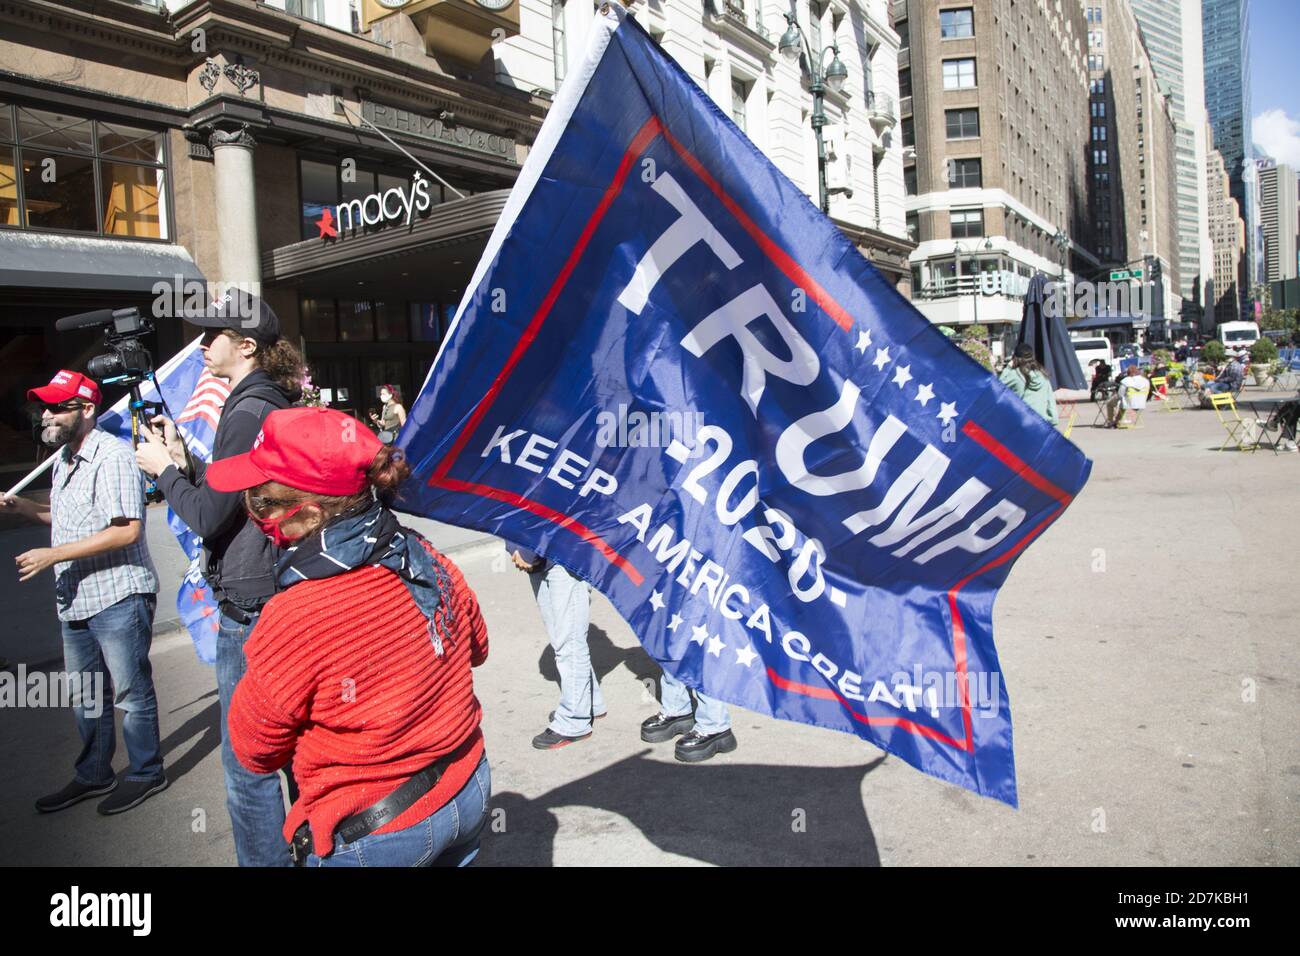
(208, 139)
(1228, 237)
(995, 99)
(1132, 156)
(1225, 32)
(1277, 219)
(1172, 33)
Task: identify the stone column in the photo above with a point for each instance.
(235, 205)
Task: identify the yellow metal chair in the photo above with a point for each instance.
(1136, 420)
(1061, 408)
(1160, 386)
(1239, 429)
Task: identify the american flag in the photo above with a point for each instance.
(210, 394)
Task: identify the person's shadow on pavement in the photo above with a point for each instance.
(206, 726)
(726, 814)
(606, 657)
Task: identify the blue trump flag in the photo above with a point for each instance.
(186, 385)
(673, 375)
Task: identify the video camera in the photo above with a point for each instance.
(127, 363)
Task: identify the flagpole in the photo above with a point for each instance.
(35, 473)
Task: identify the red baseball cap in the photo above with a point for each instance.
(311, 449)
(64, 387)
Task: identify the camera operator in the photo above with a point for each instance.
(106, 590)
(265, 374)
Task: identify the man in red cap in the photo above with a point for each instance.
(106, 591)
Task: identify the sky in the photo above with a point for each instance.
(1275, 79)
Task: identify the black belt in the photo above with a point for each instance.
(379, 814)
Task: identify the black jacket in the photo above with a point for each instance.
(239, 561)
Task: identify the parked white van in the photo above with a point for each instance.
(1089, 350)
(1238, 335)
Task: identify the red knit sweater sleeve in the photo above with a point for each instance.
(271, 700)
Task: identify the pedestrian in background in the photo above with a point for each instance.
(564, 600)
(242, 344)
(106, 590)
(392, 416)
(359, 670)
(1025, 377)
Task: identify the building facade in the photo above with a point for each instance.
(1225, 32)
(1277, 219)
(1131, 157)
(1172, 34)
(995, 104)
(214, 140)
(1228, 237)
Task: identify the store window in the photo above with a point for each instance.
(962, 124)
(959, 74)
(69, 174)
(956, 24)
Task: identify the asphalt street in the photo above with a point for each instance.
(1147, 640)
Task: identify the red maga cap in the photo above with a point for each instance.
(64, 387)
(311, 449)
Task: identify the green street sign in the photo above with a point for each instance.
(1123, 274)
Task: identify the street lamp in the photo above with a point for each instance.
(792, 44)
(1062, 242)
(957, 247)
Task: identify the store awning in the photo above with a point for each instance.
(41, 261)
(1110, 322)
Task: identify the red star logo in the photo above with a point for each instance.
(199, 595)
(326, 224)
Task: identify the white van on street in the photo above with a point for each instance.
(1238, 335)
(1091, 349)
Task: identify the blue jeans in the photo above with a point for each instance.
(254, 800)
(447, 837)
(114, 644)
(711, 716)
(565, 603)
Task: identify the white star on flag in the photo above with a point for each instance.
(881, 359)
(675, 622)
(716, 645)
(902, 375)
(656, 600)
(745, 655)
(924, 393)
(947, 411)
(864, 339)
(699, 634)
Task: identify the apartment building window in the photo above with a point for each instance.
(70, 174)
(913, 227)
(1096, 14)
(1098, 109)
(959, 74)
(957, 24)
(904, 83)
(964, 174)
(967, 223)
(739, 93)
(904, 37)
(558, 49)
(962, 124)
(909, 180)
(1098, 85)
(909, 132)
(1099, 134)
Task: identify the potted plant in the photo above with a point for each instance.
(1262, 355)
(1214, 353)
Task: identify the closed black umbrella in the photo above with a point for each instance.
(1046, 335)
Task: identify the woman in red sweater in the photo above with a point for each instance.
(359, 670)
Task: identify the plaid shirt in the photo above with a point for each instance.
(99, 483)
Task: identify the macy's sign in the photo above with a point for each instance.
(393, 204)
